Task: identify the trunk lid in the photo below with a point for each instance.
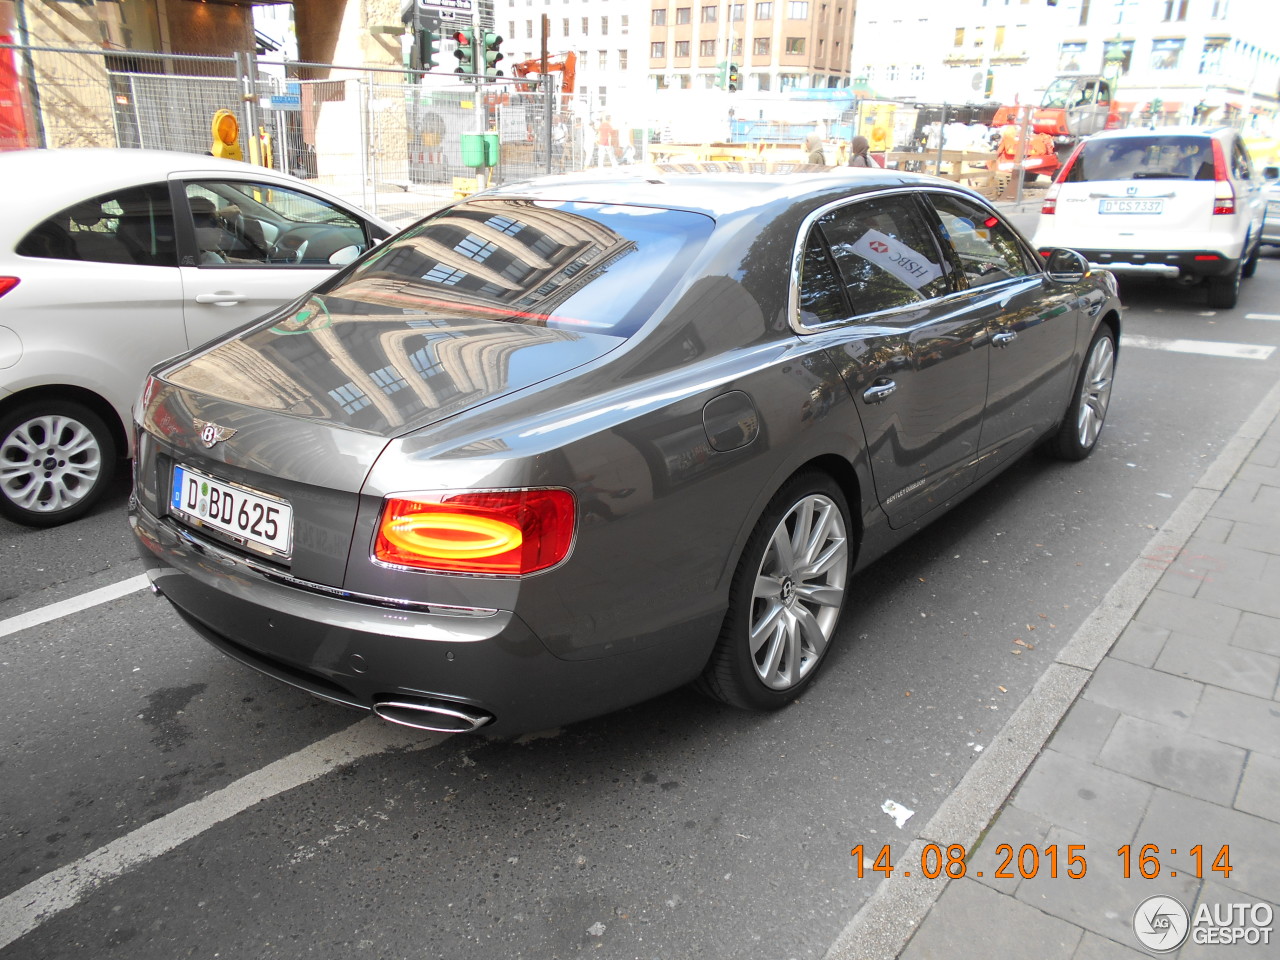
(286, 419)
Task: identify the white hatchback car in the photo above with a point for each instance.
(1177, 202)
(113, 260)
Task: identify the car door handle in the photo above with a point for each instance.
(222, 299)
(880, 390)
(1004, 338)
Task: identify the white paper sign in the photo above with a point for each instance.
(888, 254)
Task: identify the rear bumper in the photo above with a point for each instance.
(1162, 263)
(360, 651)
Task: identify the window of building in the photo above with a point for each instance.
(1175, 9)
(1070, 56)
(604, 26)
(622, 59)
(625, 25)
(1118, 50)
(1165, 54)
(999, 41)
(659, 81)
(1218, 11)
(682, 49)
(564, 27)
(709, 80)
(706, 48)
(735, 12)
(657, 50)
(511, 28)
(708, 15)
(682, 14)
(764, 11)
(797, 9)
(959, 37)
(683, 81)
(658, 18)
(586, 26)
(795, 46)
(603, 58)
(1211, 58)
(762, 81)
(760, 46)
(917, 71)
(821, 48)
(891, 72)
(528, 29)
(1084, 13)
(735, 47)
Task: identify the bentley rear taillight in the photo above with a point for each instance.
(499, 532)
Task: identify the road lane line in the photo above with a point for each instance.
(1208, 348)
(1262, 316)
(28, 907)
(63, 608)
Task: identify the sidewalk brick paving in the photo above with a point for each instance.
(1174, 742)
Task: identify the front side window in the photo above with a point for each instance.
(245, 223)
(134, 226)
(985, 247)
(885, 254)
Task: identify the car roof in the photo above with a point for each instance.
(1184, 130)
(54, 179)
(717, 188)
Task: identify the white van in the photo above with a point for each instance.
(1177, 202)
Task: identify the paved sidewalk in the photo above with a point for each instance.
(1173, 741)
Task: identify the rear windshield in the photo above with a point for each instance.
(600, 268)
(1144, 158)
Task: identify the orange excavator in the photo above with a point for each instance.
(1074, 106)
(566, 64)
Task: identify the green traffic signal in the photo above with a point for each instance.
(492, 54)
(426, 46)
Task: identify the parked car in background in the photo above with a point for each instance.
(1271, 194)
(1178, 202)
(575, 442)
(112, 260)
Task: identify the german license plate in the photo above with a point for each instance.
(1131, 206)
(249, 517)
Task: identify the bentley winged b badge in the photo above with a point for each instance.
(211, 433)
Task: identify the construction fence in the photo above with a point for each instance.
(396, 142)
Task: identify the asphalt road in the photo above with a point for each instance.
(674, 829)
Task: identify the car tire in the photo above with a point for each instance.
(1251, 264)
(1080, 428)
(1224, 292)
(789, 600)
(56, 460)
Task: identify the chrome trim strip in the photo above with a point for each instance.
(226, 558)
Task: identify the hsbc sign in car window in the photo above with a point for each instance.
(885, 253)
(908, 265)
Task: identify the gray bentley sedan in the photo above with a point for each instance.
(574, 442)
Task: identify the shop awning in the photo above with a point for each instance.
(1172, 106)
(1126, 106)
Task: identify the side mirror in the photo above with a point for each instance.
(1066, 266)
(1271, 173)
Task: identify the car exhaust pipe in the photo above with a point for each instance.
(441, 716)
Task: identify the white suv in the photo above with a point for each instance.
(1177, 202)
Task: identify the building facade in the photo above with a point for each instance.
(775, 45)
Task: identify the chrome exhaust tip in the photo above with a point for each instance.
(440, 716)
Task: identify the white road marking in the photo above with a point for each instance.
(44, 898)
(33, 618)
(1208, 348)
(1262, 316)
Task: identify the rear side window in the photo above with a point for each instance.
(599, 268)
(1157, 157)
(134, 225)
(884, 252)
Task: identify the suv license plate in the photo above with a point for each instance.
(251, 518)
(1131, 206)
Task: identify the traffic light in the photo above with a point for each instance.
(466, 52)
(734, 77)
(426, 48)
(492, 54)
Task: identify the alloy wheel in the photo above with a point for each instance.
(1095, 392)
(48, 463)
(798, 592)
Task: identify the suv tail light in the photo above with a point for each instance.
(7, 284)
(1224, 195)
(499, 532)
(1050, 204)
